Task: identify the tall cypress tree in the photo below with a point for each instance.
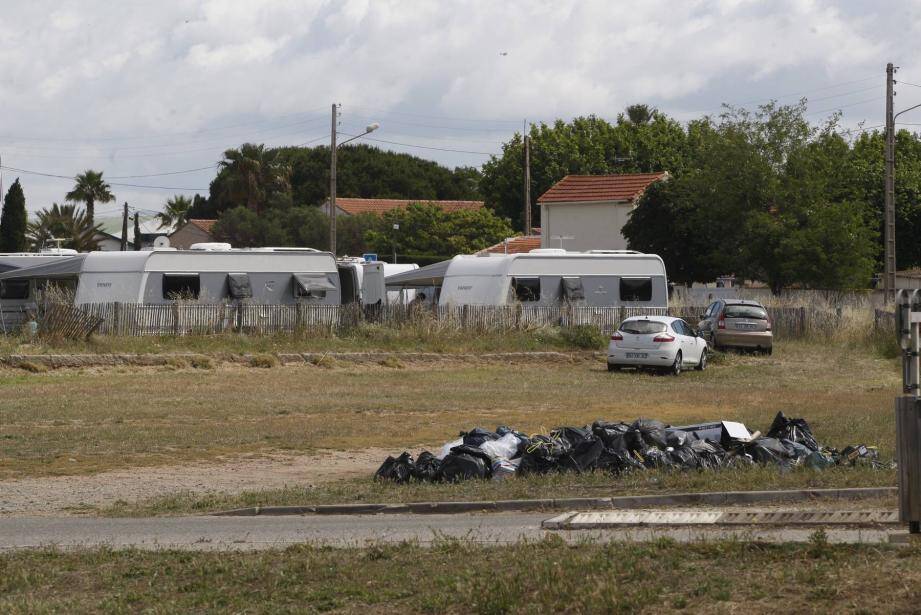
(13, 220)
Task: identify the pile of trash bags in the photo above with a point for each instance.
(621, 447)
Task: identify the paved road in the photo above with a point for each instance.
(249, 533)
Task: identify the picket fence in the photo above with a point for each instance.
(179, 319)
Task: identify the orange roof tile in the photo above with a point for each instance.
(516, 245)
(591, 188)
(379, 206)
(204, 225)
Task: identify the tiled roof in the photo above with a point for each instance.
(204, 225)
(379, 206)
(592, 188)
(516, 245)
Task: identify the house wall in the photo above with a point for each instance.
(187, 235)
(592, 226)
(108, 243)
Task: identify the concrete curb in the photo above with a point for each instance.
(618, 502)
(56, 361)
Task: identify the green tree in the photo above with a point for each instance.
(64, 222)
(585, 146)
(251, 176)
(90, 188)
(176, 212)
(426, 230)
(13, 220)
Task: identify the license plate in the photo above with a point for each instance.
(637, 355)
(747, 327)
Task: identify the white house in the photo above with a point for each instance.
(588, 212)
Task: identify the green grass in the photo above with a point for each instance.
(455, 576)
(67, 422)
(597, 484)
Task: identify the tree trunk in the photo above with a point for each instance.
(91, 211)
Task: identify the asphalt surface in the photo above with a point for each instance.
(265, 532)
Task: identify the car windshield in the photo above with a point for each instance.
(639, 327)
(745, 311)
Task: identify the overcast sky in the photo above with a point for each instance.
(145, 88)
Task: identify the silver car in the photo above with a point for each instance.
(737, 323)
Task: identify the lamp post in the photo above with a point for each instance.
(333, 147)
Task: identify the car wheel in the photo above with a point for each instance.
(676, 366)
(702, 364)
(613, 368)
(769, 350)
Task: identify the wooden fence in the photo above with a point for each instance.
(200, 319)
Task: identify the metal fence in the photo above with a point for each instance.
(180, 319)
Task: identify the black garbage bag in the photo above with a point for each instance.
(465, 463)
(645, 433)
(618, 462)
(676, 438)
(685, 457)
(710, 455)
(478, 436)
(582, 457)
(426, 468)
(797, 450)
(396, 469)
(612, 434)
(574, 436)
(543, 455)
(769, 450)
(795, 430)
(656, 458)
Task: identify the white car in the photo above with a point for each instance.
(660, 342)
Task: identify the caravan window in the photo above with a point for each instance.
(636, 289)
(239, 286)
(181, 286)
(312, 286)
(526, 289)
(14, 289)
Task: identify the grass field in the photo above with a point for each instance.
(70, 422)
(458, 577)
(79, 421)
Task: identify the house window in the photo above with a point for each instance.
(181, 286)
(636, 289)
(14, 289)
(239, 286)
(526, 289)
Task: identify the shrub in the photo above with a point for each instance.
(588, 337)
(263, 360)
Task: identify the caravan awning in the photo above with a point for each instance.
(313, 281)
(64, 268)
(239, 286)
(430, 275)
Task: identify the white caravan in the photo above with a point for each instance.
(14, 297)
(205, 276)
(545, 277)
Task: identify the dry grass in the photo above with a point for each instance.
(69, 422)
(456, 576)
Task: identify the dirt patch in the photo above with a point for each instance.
(75, 494)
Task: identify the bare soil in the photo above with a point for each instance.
(58, 495)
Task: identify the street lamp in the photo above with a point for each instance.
(332, 173)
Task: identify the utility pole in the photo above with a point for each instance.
(889, 213)
(527, 185)
(124, 245)
(137, 231)
(332, 182)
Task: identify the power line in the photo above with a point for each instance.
(859, 102)
(440, 149)
(71, 178)
(439, 117)
(163, 174)
(915, 85)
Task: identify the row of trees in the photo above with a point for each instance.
(767, 194)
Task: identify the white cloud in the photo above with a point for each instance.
(138, 87)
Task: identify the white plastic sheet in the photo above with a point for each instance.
(505, 447)
(446, 449)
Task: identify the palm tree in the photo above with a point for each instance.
(252, 173)
(65, 222)
(90, 189)
(176, 212)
